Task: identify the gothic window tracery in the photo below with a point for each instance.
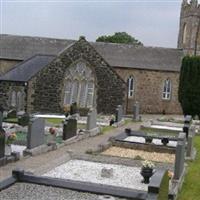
(79, 85)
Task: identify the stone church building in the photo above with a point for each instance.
(44, 74)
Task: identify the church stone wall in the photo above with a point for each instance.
(5, 89)
(48, 84)
(149, 88)
(6, 65)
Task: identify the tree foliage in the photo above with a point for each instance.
(119, 37)
(189, 85)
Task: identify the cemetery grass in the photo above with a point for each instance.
(191, 185)
(11, 120)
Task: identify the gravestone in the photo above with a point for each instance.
(73, 109)
(1, 115)
(119, 113)
(2, 147)
(180, 156)
(187, 122)
(36, 130)
(69, 128)
(136, 111)
(190, 146)
(92, 122)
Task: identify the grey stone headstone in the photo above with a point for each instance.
(36, 130)
(190, 146)
(180, 156)
(91, 119)
(136, 111)
(119, 113)
(69, 128)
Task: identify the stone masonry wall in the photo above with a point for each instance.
(149, 88)
(5, 88)
(48, 87)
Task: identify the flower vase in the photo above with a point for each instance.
(146, 172)
(8, 150)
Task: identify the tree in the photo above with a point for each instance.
(119, 37)
(189, 86)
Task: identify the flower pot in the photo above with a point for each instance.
(146, 173)
(165, 141)
(148, 140)
(8, 150)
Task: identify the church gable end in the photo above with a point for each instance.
(50, 83)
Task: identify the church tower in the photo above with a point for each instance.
(189, 30)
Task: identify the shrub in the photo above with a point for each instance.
(189, 84)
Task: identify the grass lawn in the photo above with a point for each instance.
(11, 120)
(191, 185)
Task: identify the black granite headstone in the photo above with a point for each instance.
(69, 128)
(2, 142)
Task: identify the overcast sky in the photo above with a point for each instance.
(153, 22)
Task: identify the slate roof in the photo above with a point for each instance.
(117, 55)
(28, 68)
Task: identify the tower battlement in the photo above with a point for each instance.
(189, 31)
(190, 8)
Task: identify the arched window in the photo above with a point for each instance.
(184, 33)
(79, 85)
(13, 101)
(167, 90)
(131, 86)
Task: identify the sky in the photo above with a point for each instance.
(153, 22)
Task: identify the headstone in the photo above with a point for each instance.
(73, 108)
(92, 127)
(180, 156)
(119, 113)
(190, 141)
(69, 128)
(2, 142)
(136, 111)
(36, 130)
(1, 115)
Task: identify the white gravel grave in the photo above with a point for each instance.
(18, 148)
(167, 128)
(80, 170)
(154, 141)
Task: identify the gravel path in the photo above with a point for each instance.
(23, 191)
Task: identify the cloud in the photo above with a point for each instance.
(154, 23)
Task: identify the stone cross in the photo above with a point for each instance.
(136, 111)
(69, 128)
(36, 129)
(180, 156)
(119, 113)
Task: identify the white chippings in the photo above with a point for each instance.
(154, 141)
(135, 139)
(167, 128)
(18, 148)
(123, 176)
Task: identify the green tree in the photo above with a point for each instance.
(189, 85)
(119, 37)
